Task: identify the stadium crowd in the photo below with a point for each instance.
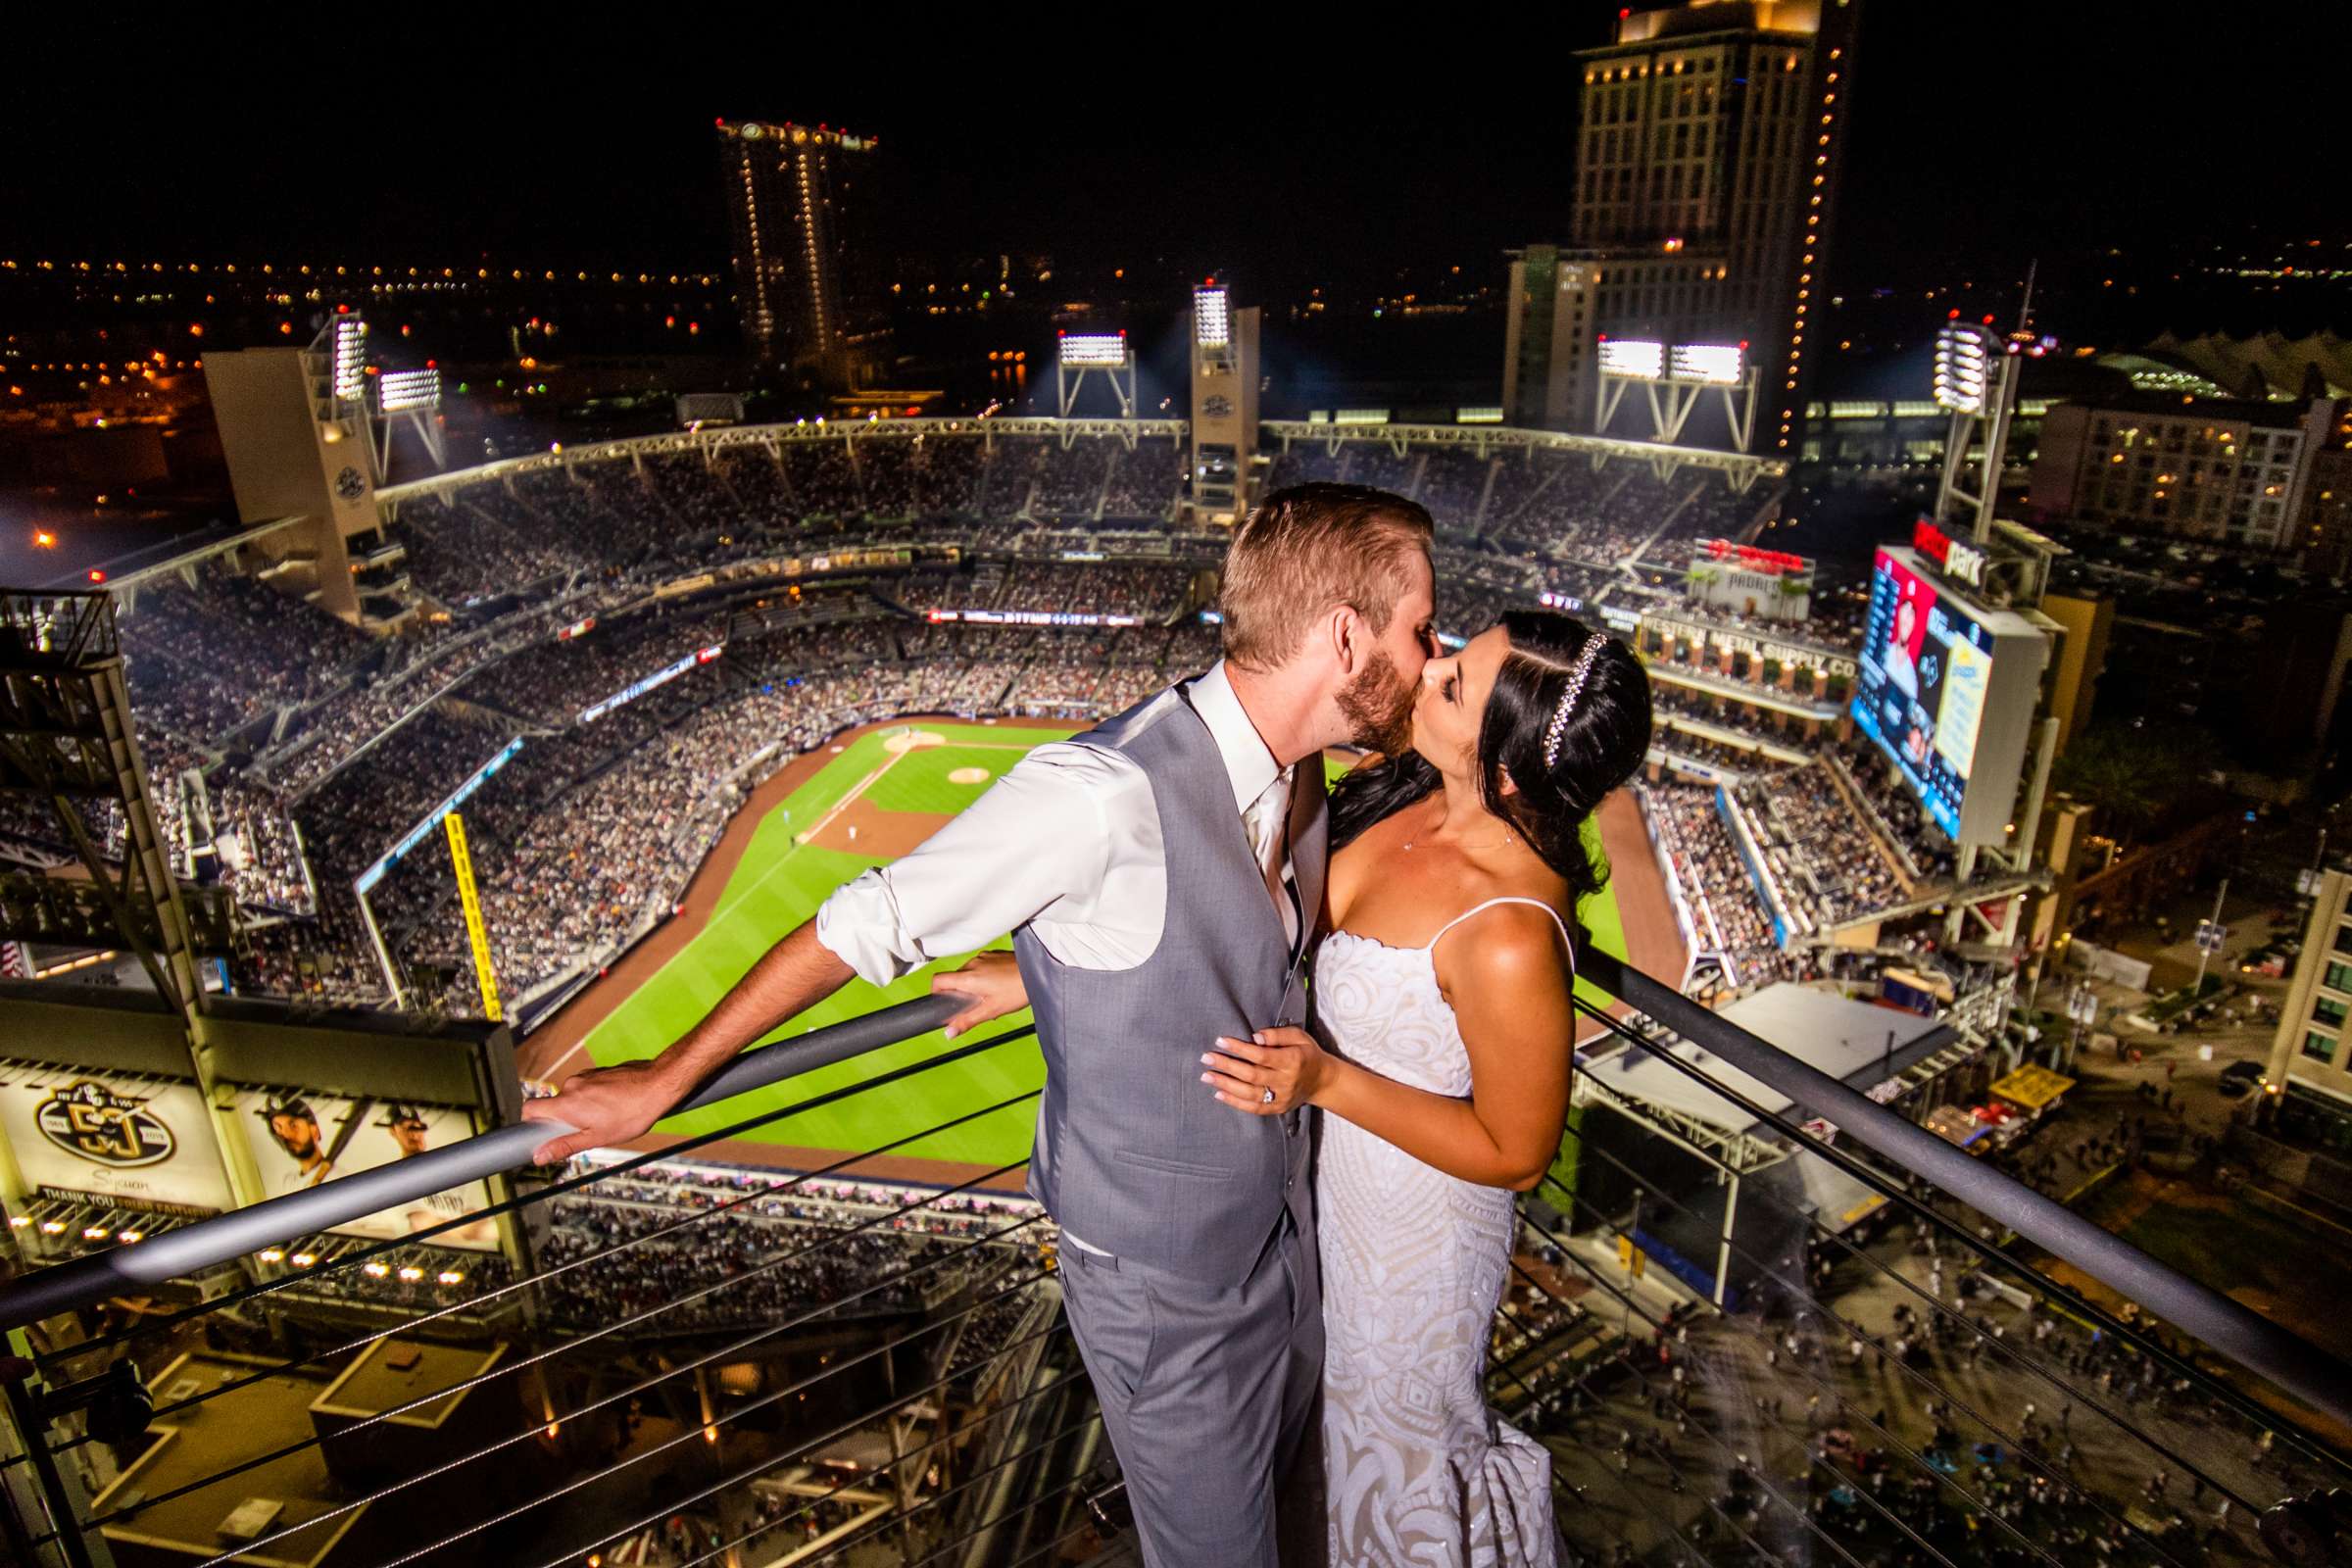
(1725, 905)
(587, 837)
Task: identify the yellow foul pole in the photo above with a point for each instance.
(475, 931)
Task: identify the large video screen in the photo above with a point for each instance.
(307, 1138)
(141, 1143)
(1926, 670)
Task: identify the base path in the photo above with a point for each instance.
(860, 828)
(554, 1047)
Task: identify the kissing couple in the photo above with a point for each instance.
(1282, 1250)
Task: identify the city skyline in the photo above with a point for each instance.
(2063, 151)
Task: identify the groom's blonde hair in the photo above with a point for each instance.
(1309, 548)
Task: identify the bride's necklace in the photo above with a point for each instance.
(1467, 848)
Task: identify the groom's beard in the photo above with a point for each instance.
(1377, 705)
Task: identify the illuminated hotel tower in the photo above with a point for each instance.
(1706, 178)
(788, 204)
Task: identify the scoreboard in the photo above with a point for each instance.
(1949, 690)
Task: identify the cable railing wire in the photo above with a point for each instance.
(2015, 1353)
(899, 1518)
(1861, 1171)
(683, 1504)
(2015, 1442)
(1059, 1384)
(2285, 1359)
(1977, 1503)
(693, 1433)
(696, 1217)
(525, 1363)
(1643, 1378)
(190, 1248)
(559, 1187)
(2076, 1302)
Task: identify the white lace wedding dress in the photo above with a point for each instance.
(1418, 1472)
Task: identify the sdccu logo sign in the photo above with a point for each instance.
(91, 1120)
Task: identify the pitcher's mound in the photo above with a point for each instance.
(907, 740)
(969, 776)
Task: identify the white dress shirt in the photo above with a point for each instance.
(1067, 843)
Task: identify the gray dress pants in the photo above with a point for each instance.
(1210, 1398)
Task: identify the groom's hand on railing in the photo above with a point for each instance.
(609, 1105)
(990, 987)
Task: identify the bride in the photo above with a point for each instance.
(1441, 1000)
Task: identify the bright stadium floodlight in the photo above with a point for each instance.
(1673, 382)
(1212, 321)
(1089, 354)
(1097, 349)
(1963, 368)
(1635, 359)
(1714, 364)
(399, 391)
(350, 357)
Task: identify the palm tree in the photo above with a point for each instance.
(2136, 776)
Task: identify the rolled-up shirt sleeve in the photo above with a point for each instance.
(1037, 838)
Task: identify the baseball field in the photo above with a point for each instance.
(863, 801)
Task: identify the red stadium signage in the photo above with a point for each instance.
(1930, 541)
(1963, 561)
(1753, 558)
(578, 628)
(709, 654)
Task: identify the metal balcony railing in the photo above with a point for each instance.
(710, 1365)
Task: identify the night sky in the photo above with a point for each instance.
(1982, 133)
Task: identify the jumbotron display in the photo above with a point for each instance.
(1948, 690)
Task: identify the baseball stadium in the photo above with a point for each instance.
(387, 815)
(867, 796)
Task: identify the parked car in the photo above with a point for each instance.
(2240, 1077)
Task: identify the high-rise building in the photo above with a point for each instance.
(792, 193)
(2307, 1086)
(1707, 155)
(2228, 471)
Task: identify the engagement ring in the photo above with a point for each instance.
(1266, 1098)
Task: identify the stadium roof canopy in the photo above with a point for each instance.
(2265, 364)
(1857, 1043)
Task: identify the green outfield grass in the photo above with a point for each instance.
(779, 883)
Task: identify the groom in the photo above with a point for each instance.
(1162, 875)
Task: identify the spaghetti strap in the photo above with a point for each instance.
(1508, 898)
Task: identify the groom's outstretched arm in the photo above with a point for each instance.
(1041, 835)
(609, 1106)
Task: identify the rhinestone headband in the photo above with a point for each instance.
(1578, 674)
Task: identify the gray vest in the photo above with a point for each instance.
(1134, 1153)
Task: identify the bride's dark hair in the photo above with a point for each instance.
(1606, 735)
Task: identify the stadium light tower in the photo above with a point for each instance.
(1224, 404)
(1674, 381)
(411, 398)
(1976, 381)
(1086, 353)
